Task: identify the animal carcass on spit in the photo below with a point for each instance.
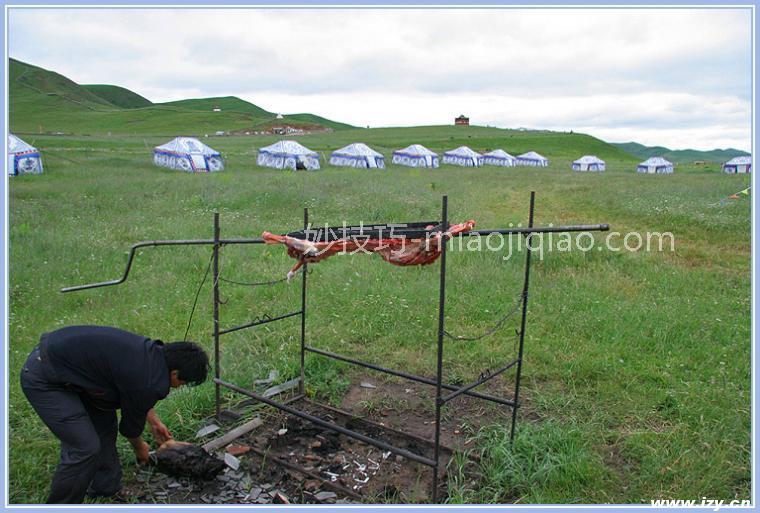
(396, 250)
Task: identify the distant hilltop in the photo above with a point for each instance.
(679, 156)
(43, 101)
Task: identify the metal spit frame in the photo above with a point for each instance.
(409, 230)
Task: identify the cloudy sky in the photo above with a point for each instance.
(679, 78)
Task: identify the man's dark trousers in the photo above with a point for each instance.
(89, 458)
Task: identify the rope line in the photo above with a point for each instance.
(197, 294)
(495, 328)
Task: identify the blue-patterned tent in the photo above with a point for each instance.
(357, 155)
(288, 155)
(188, 154)
(498, 158)
(462, 156)
(23, 158)
(738, 165)
(532, 159)
(655, 165)
(589, 163)
(415, 155)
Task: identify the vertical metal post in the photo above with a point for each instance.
(524, 316)
(301, 382)
(441, 328)
(217, 363)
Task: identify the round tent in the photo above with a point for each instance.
(589, 163)
(188, 154)
(23, 158)
(498, 158)
(655, 165)
(288, 155)
(462, 156)
(357, 155)
(531, 159)
(415, 155)
(738, 165)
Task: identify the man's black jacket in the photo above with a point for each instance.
(111, 369)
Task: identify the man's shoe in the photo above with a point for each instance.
(122, 496)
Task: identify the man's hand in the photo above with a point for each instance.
(157, 428)
(142, 449)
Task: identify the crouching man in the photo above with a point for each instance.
(76, 379)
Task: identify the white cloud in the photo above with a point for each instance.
(623, 70)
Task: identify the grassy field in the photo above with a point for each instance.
(637, 364)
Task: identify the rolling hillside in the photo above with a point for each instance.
(119, 96)
(43, 101)
(679, 156)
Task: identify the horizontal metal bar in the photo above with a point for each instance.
(328, 425)
(479, 382)
(405, 375)
(540, 229)
(258, 322)
(416, 232)
(155, 243)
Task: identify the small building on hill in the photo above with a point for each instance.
(589, 163)
(655, 165)
(188, 154)
(23, 158)
(738, 165)
(462, 120)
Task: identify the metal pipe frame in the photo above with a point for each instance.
(327, 425)
(413, 230)
(231, 242)
(259, 322)
(406, 375)
(477, 383)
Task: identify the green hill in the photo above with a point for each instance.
(224, 104)
(43, 101)
(119, 96)
(679, 156)
(313, 119)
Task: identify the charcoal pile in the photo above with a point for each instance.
(187, 461)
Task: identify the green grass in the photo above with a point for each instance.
(637, 365)
(119, 96)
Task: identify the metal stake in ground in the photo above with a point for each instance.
(441, 331)
(526, 282)
(217, 363)
(301, 384)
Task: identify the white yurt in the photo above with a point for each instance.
(655, 165)
(498, 158)
(738, 165)
(23, 158)
(188, 154)
(357, 155)
(415, 155)
(531, 159)
(589, 163)
(288, 155)
(462, 156)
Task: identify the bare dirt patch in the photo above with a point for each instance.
(291, 460)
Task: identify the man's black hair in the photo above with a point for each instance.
(189, 359)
